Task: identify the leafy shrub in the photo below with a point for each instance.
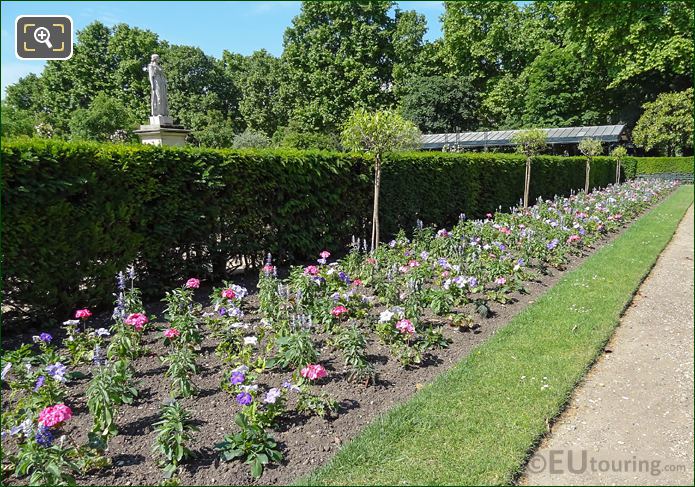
(250, 139)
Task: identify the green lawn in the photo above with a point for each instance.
(477, 423)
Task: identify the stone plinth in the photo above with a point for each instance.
(162, 133)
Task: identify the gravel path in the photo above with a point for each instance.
(631, 421)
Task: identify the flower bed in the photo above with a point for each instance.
(286, 361)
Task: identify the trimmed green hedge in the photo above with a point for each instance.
(635, 166)
(74, 214)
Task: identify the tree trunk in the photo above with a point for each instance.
(617, 172)
(588, 170)
(527, 181)
(375, 212)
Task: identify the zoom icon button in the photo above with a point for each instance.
(43, 37)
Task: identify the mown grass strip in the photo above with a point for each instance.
(477, 423)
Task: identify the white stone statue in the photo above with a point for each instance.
(160, 106)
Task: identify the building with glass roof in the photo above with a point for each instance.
(560, 139)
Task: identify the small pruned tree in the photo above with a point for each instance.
(590, 148)
(529, 143)
(618, 154)
(378, 133)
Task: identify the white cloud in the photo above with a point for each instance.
(11, 72)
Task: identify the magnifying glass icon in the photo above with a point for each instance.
(43, 36)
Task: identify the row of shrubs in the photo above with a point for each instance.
(74, 214)
(636, 166)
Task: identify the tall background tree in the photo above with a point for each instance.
(497, 65)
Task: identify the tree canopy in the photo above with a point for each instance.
(498, 65)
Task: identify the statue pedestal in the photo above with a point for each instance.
(161, 131)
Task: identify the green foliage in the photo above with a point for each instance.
(337, 56)
(636, 166)
(16, 122)
(352, 343)
(379, 132)
(104, 117)
(530, 142)
(182, 368)
(296, 350)
(109, 205)
(667, 124)
(46, 465)
(439, 104)
(251, 139)
(590, 147)
(174, 434)
(252, 445)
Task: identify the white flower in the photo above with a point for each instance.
(242, 368)
(385, 316)
(251, 340)
(36, 339)
(71, 322)
(5, 370)
(249, 388)
(239, 325)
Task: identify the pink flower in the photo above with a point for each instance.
(136, 320)
(55, 415)
(338, 311)
(311, 270)
(442, 233)
(313, 372)
(325, 254)
(83, 313)
(268, 269)
(573, 238)
(405, 326)
(193, 283)
(413, 263)
(171, 333)
(500, 281)
(356, 282)
(371, 260)
(228, 293)
(403, 269)
(488, 215)
(445, 274)
(506, 231)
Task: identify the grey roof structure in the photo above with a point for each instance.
(497, 138)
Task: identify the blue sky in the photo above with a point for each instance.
(213, 26)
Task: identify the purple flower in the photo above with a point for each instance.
(44, 437)
(344, 277)
(272, 395)
(244, 398)
(521, 263)
(237, 378)
(552, 244)
(45, 337)
(222, 311)
(472, 282)
(57, 371)
(39, 383)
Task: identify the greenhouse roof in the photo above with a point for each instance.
(566, 135)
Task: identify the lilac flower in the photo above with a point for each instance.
(120, 281)
(552, 244)
(131, 272)
(272, 395)
(443, 263)
(44, 437)
(236, 312)
(242, 368)
(290, 387)
(392, 243)
(57, 371)
(520, 262)
(322, 261)
(472, 282)
(222, 311)
(25, 427)
(45, 337)
(318, 280)
(99, 357)
(424, 254)
(237, 378)
(39, 383)
(244, 399)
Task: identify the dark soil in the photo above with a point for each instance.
(306, 442)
